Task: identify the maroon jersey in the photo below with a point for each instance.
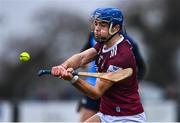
(122, 99)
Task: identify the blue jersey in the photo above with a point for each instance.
(91, 66)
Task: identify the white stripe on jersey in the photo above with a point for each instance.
(113, 51)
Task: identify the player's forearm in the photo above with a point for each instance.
(87, 89)
(73, 62)
(80, 59)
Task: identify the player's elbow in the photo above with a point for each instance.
(95, 95)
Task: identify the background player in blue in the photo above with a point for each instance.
(87, 106)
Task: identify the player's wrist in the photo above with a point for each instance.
(64, 66)
(74, 79)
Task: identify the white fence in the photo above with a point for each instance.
(5, 112)
(48, 112)
(66, 111)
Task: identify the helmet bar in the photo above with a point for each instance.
(106, 19)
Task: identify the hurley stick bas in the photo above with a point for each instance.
(112, 76)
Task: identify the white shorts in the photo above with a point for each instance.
(140, 118)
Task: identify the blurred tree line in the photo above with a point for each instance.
(60, 34)
(56, 38)
(163, 41)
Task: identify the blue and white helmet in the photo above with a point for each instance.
(111, 15)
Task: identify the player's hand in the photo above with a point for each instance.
(67, 75)
(58, 71)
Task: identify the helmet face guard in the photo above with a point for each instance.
(112, 16)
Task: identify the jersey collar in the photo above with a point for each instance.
(104, 50)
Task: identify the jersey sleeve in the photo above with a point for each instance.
(141, 65)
